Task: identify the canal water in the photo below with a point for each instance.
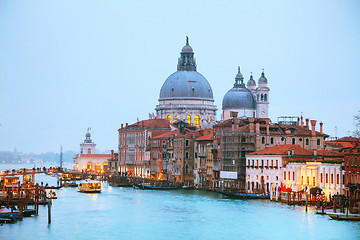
(127, 213)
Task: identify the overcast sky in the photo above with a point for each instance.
(68, 65)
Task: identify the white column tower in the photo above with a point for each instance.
(262, 97)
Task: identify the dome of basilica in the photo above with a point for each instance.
(186, 84)
(239, 97)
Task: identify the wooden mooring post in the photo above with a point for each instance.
(49, 212)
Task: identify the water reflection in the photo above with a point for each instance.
(127, 213)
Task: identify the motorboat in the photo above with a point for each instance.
(90, 187)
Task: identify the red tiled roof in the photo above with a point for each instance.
(329, 153)
(339, 144)
(298, 151)
(206, 136)
(347, 139)
(165, 135)
(150, 123)
(283, 150)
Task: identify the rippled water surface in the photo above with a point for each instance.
(127, 213)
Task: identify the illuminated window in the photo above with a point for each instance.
(284, 175)
(257, 176)
(210, 117)
(313, 181)
(168, 117)
(267, 177)
(189, 119)
(197, 120)
(89, 151)
(326, 178)
(337, 179)
(320, 177)
(248, 176)
(332, 178)
(293, 176)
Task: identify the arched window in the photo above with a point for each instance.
(307, 141)
(262, 97)
(186, 169)
(265, 98)
(189, 119)
(257, 97)
(318, 142)
(168, 117)
(263, 140)
(293, 141)
(271, 140)
(207, 117)
(197, 120)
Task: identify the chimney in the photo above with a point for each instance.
(251, 120)
(321, 126)
(257, 127)
(122, 126)
(112, 154)
(126, 125)
(307, 123)
(267, 126)
(302, 121)
(298, 122)
(313, 123)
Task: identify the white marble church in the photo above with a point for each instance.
(186, 95)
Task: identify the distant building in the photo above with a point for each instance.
(352, 171)
(186, 95)
(87, 160)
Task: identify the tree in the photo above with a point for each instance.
(357, 125)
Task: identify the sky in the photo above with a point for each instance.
(68, 65)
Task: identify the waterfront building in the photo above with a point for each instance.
(89, 161)
(238, 137)
(203, 167)
(294, 169)
(186, 95)
(161, 151)
(250, 101)
(352, 171)
(134, 160)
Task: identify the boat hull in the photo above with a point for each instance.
(245, 195)
(344, 216)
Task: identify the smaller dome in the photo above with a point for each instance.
(251, 81)
(262, 79)
(239, 74)
(239, 98)
(187, 49)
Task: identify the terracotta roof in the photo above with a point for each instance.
(347, 139)
(207, 136)
(283, 150)
(94, 155)
(274, 129)
(170, 134)
(150, 123)
(339, 144)
(329, 153)
(298, 151)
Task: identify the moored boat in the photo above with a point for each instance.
(90, 187)
(246, 195)
(344, 216)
